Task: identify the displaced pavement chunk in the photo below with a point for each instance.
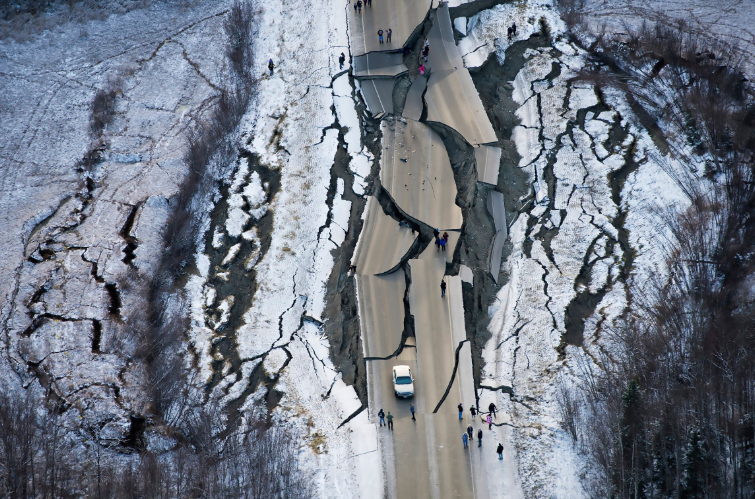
(488, 159)
(416, 172)
(379, 64)
(381, 312)
(383, 243)
(448, 77)
(377, 94)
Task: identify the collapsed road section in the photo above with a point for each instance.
(406, 316)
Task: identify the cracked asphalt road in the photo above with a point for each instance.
(404, 319)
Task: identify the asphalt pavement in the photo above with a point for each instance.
(424, 457)
(416, 171)
(400, 16)
(448, 77)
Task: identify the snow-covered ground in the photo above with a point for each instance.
(568, 250)
(65, 242)
(293, 130)
(62, 244)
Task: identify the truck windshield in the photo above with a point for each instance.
(403, 380)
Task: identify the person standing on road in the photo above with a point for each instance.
(380, 35)
(490, 422)
(381, 415)
(465, 439)
(359, 5)
(445, 237)
(271, 66)
(389, 417)
(473, 410)
(443, 294)
(389, 32)
(470, 432)
(461, 411)
(442, 244)
(492, 408)
(355, 7)
(479, 437)
(437, 243)
(341, 60)
(411, 408)
(499, 450)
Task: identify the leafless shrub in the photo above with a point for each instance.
(163, 322)
(103, 106)
(37, 461)
(670, 417)
(238, 28)
(567, 400)
(668, 413)
(572, 12)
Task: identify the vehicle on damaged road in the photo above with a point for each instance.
(403, 383)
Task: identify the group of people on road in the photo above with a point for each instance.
(425, 50)
(440, 244)
(383, 417)
(440, 241)
(389, 417)
(424, 55)
(358, 5)
(466, 437)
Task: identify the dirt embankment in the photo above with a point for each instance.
(492, 83)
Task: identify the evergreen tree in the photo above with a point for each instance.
(694, 468)
(631, 442)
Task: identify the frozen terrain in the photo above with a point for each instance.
(81, 211)
(71, 233)
(729, 22)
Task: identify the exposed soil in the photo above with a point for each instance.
(478, 232)
(236, 280)
(341, 324)
(341, 312)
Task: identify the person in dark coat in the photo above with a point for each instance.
(479, 437)
(473, 410)
(499, 450)
(381, 415)
(461, 411)
(442, 294)
(492, 408)
(341, 60)
(271, 66)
